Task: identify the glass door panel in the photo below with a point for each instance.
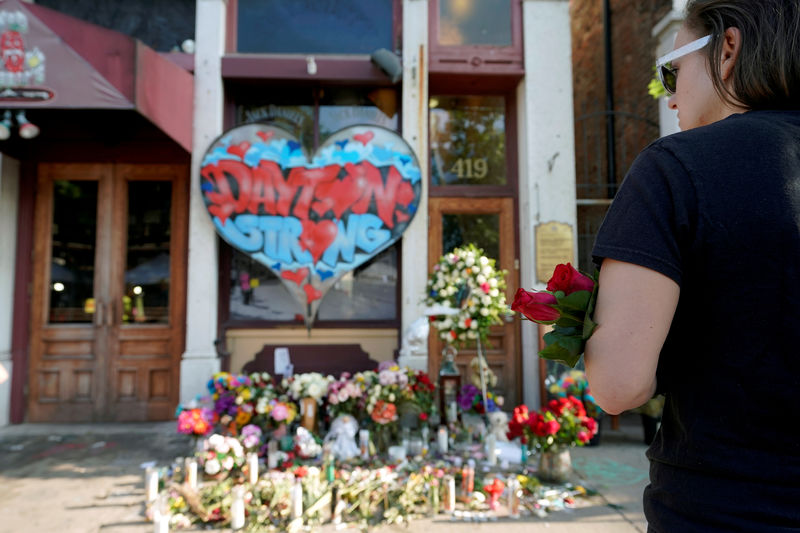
(475, 22)
(482, 230)
(468, 140)
(147, 263)
(72, 252)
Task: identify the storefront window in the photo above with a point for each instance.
(314, 26)
(370, 292)
(468, 140)
(475, 22)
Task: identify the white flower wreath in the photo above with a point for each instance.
(467, 281)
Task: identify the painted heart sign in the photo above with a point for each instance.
(310, 219)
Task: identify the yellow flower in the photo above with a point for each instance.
(246, 394)
(243, 417)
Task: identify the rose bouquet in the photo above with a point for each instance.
(221, 455)
(562, 423)
(422, 390)
(567, 305)
(467, 281)
(346, 396)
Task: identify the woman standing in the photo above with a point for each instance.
(700, 277)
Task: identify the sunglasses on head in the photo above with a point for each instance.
(667, 75)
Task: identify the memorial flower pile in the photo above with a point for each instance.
(466, 281)
(567, 305)
(423, 393)
(562, 423)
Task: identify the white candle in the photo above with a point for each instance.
(450, 494)
(151, 488)
(272, 454)
(491, 448)
(441, 439)
(237, 508)
(191, 473)
(161, 514)
(297, 500)
(252, 465)
(513, 497)
(363, 443)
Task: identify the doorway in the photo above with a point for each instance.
(489, 224)
(109, 291)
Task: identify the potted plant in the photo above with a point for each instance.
(574, 383)
(552, 431)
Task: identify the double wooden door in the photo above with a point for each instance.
(489, 224)
(109, 292)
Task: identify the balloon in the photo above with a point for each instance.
(310, 220)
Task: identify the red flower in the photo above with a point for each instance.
(423, 416)
(584, 436)
(536, 306)
(301, 472)
(567, 279)
(590, 424)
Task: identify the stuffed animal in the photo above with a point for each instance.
(475, 373)
(498, 424)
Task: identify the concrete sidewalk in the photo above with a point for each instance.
(88, 478)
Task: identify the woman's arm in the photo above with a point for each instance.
(635, 306)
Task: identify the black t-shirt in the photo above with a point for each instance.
(717, 209)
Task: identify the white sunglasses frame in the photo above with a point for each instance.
(680, 52)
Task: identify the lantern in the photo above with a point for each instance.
(449, 384)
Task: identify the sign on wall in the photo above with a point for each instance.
(310, 220)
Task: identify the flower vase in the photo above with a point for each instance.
(555, 465)
(409, 414)
(382, 438)
(308, 413)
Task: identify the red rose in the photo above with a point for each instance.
(567, 279)
(423, 416)
(536, 306)
(584, 436)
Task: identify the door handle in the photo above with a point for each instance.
(110, 314)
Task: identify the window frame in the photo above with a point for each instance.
(225, 251)
(476, 59)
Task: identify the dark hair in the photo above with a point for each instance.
(766, 74)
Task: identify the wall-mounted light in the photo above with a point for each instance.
(311, 65)
(389, 63)
(26, 129)
(5, 126)
(58, 286)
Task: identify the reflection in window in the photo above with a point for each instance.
(468, 140)
(342, 107)
(314, 26)
(147, 279)
(367, 293)
(475, 22)
(481, 230)
(73, 245)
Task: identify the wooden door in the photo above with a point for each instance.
(108, 298)
(489, 224)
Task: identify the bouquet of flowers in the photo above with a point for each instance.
(383, 396)
(422, 390)
(251, 437)
(574, 383)
(467, 281)
(233, 400)
(470, 400)
(567, 305)
(562, 423)
(221, 455)
(346, 395)
(308, 385)
(196, 422)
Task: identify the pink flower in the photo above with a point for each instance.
(584, 436)
(485, 287)
(536, 306)
(280, 412)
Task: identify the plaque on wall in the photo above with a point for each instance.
(554, 245)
